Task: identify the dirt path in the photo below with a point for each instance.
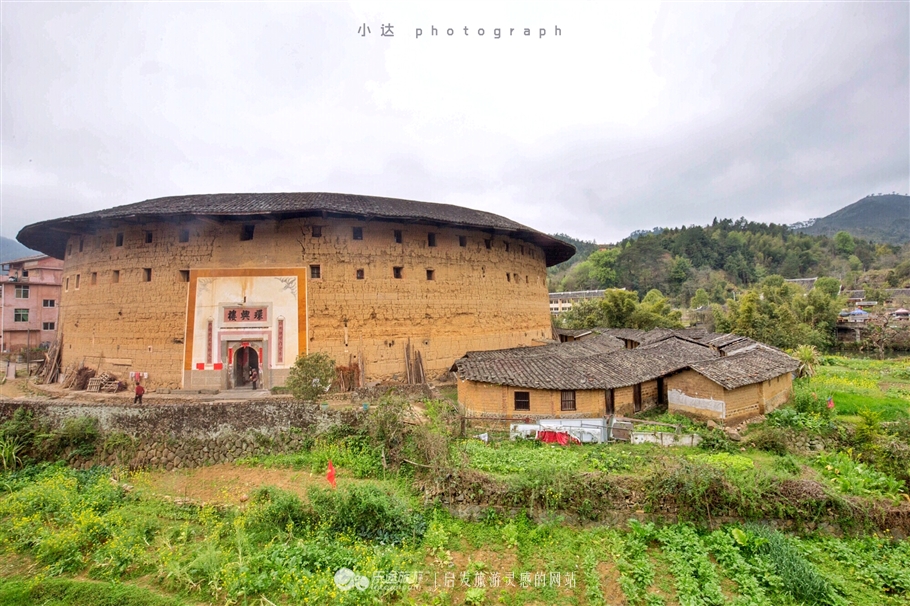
(14, 388)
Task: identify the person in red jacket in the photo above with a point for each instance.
(139, 391)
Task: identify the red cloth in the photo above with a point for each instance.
(556, 437)
(140, 390)
(330, 474)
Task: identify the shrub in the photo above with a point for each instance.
(311, 376)
(272, 509)
(715, 440)
(769, 440)
(367, 512)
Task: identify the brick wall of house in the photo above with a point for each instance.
(478, 298)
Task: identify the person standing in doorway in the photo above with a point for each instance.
(254, 376)
(139, 391)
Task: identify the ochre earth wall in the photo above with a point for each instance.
(695, 394)
(704, 398)
(499, 400)
(478, 297)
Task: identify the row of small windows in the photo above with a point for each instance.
(182, 274)
(247, 231)
(398, 274)
(148, 237)
(21, 315)
(566, 400)
(357, 234)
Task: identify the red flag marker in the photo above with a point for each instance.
(330, 474)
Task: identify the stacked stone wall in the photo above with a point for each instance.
(176, 436)
(478, 297)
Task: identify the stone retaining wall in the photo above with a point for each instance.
(180, 435)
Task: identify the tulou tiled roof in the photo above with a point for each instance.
(752, 364)
(597, 363)
(49, 236)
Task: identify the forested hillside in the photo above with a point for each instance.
(877, 218)
(728, 255)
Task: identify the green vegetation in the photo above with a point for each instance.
(591, 524)
(311, 376)
(711, 262)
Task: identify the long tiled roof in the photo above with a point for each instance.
(596, 363)
(592, 363)
(746, 366)
(48, 236)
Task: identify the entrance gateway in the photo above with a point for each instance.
(243, 356)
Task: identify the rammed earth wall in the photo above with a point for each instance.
(192, 434)
(128, 289)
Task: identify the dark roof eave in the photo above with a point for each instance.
(45, 236)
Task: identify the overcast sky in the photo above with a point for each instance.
(633, 116)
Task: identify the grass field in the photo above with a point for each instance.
(607, 524)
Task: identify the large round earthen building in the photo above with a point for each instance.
(192, 291)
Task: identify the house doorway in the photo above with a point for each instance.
(609, 408)
(245, 358)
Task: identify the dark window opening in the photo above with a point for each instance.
(507, 246)
(521, 249)
(184, 235)
(636, 397)
(431, 274)
(184, 275)
(462, 241)
(119, 240)
(115, 276)
(94, 277)
(316, 231)
(397, 272)
(508, 276)
(81, 244)
(397, 236)
(431, 239)
(146, 274)
(69, 249)
(315, 272)
(488, 244)
(360, 274)
(77, 280)
(567, 400)
(48, 326)
(246, 232)
(50, 303)
(148, 237)
(20, 315)
(358, 233)
(522, 400)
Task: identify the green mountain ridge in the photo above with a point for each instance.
(883, 218)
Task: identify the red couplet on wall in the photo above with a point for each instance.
(200, 366)
(218, 365)
(230, 355)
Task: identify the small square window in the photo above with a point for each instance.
(50, 303)
(358, 233)
(315, 272)
(69, 249)
(148, 237)
(431, 274)
(119, 239)
(115, 276)
(20, 315)
(184, 235)
(462, 241)
(94, 278)
(522, 400)
(397, 236)
(488, 244)
(397, 272)
(567, 400)
(48, 326)
(184, 275)
(316, 231)
(146, 274)
(22, 291)
(431, 239)
(360, 274)
(77, 280)
(246, 232)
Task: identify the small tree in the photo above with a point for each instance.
(808, 360)
(311, 376)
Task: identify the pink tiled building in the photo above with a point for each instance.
(29, 302)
